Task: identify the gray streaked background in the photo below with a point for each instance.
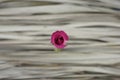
(92, 53)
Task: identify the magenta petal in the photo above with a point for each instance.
(64, 35)
(53, 36)
(60, 46)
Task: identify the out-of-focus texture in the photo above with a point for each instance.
(92, 53)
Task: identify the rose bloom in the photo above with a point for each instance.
(59, 38)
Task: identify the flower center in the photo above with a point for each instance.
(59, 40)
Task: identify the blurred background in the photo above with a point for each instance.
(92, 53)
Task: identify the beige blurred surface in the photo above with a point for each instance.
(92, 53)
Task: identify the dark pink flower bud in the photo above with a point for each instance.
(59, 38)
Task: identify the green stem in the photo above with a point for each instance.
(57, 50)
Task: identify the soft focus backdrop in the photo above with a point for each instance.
(92, 53)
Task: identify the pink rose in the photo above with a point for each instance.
(59, 38)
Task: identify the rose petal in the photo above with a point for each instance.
(53, 36)
(60, 46)
(64, 35)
